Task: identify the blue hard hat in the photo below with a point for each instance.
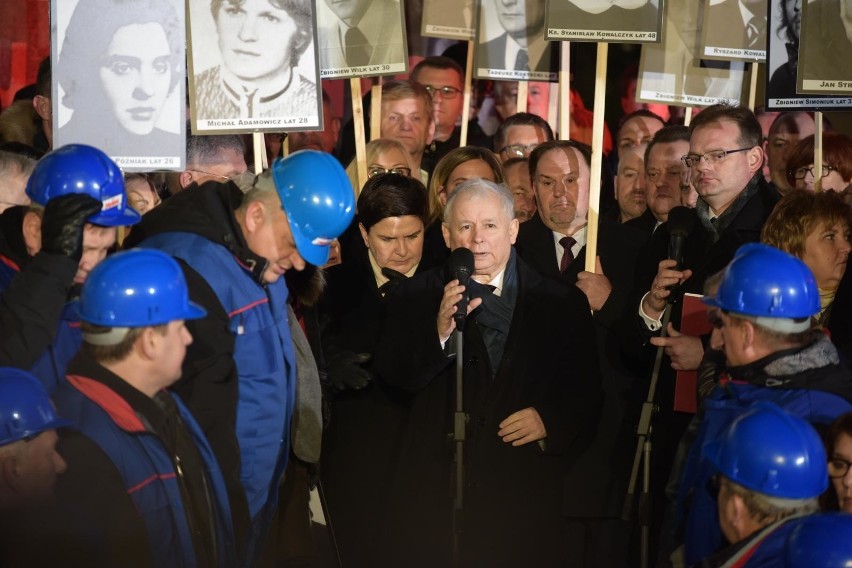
(764, 282)
(318, 198)
(821, 541)
(25, 408)
(770, 451)
(77, 168)
(136, 288)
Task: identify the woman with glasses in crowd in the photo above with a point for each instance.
(836, 174)
(383, 156)
(839, 449)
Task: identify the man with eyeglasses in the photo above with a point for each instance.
(443, 78)
(519, 135)
(725, 161)
(553, 242)
(762, 316)
(213, 158)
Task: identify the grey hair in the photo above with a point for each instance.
(8, 160)
(479, 187)
(767, 509)
(204, 150)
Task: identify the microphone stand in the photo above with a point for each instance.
(459, 422)
(643, 454)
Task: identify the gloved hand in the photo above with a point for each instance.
(63, 221)
(346, 371)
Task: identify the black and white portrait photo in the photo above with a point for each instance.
(671, 73)
(118, 79)
(621, 21)
(361, 38)
(782, 62)
(510, 42)
(825, 52)
(448, 18)
(253, 66)
(734, 30)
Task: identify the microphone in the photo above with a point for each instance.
(459, 267)
(680, 223)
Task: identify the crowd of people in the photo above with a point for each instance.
(173, 398)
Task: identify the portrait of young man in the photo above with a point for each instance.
(253, 65)
(120, 89)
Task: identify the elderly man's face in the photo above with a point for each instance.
(518, 181)
(481, 224)
(561, 183)
(409, 121)
(268, 234)
(350, 11)
(136, 75)
(664, 172)
(630, 184)
(520, 18)
(40, 465)
(254, 39)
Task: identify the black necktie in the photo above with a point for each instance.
(358, 49)
(522, 61)
(567, 254)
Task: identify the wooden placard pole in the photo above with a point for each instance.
(523, 89)
(818, 151)
(752, 88)
(376, 110)
(285, 147)
(468, 86)
(564, 91)
(687, 116)
(597, 158)
(358, 121)
(260, 161)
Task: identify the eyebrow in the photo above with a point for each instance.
(135, 61)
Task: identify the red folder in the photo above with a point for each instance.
(693, 321)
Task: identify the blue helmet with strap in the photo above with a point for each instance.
(318, 199)
(25, 408)
(77, 168)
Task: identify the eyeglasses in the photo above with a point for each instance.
(800, 173)
(220, 176)
(374, 171)
(518, 150)
(446, 92)
(838, 467)
(711, 157)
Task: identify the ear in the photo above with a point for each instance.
(364, 234)
(185, 178)
(41, 104)
(514, 225)
(755, 159)
(32, 232)
(9, 473)
(255, 216)
(446, 232)
(739, 514)
(147, 344)
(442, 195)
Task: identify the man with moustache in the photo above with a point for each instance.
(530, 412)
(630, 185)
(517, 174)
(664, 171)
(554, 243)
(521, 46)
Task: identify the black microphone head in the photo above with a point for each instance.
(459, 262)
(681, 221)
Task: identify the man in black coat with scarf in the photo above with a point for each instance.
(531, 394)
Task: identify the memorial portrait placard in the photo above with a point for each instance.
(253, 66)
(825, 48)
(618, 21)
(452, 19)
(734, 30)
(782, 63)
(361, 38)
(118, 80)
(672, 73)
(510, 43)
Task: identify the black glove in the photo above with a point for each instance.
(346, 371)
(63, 222)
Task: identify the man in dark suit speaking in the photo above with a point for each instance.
(531, 395)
